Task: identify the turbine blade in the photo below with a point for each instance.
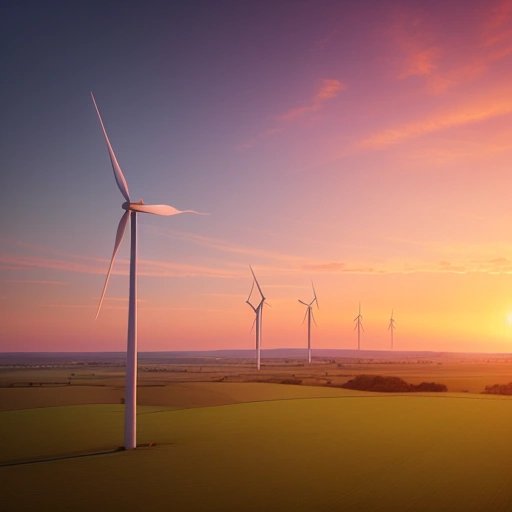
(257, 284)
(250, 293)
(313, 317)
(254, 323)
(119, 237)
(118, 173)
(314, 293)
(302, 302)
(305, 315)
(160, 209)
(252, 307)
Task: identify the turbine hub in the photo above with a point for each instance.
(126, 205)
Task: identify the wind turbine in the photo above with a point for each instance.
(309, 315)
(258, 311)
(391, 328)
(131, 209)
(359, 325)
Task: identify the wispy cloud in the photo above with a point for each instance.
(340, 267)
(420, 62)
(150, 268)
(69, 306)
(473, 112)
(497, 26)
(271, 264)
(417, 45)
(329, 89)
(229, 247)
(43, 282)
(108, 303)
(426, 53)
(84, 265)
(280, 264)
(489, 266)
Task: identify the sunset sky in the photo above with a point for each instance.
(366, 146)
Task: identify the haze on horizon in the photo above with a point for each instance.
(365, 147)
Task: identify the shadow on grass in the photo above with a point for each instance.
(69, 456)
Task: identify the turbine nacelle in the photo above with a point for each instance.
(128, 205)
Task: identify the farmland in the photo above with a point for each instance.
(233, 445)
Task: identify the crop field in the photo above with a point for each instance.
(214, 436)
(351, 452)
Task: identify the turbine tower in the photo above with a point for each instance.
(258, 311)
(359, 325)
(391, 328)
(309, 315)
(131, 209)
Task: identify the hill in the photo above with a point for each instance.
(351, 453)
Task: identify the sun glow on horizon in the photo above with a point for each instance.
(384, 178)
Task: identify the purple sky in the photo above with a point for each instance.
(366, 146)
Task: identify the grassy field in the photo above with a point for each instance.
(350, 451)
(229, 438)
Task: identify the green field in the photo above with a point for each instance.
(346, 451)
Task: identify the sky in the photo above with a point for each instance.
(364, 146)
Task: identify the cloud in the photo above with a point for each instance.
(339, 267)
(16, 262)
(500, 16)
(420, 62)
(227, 247)
(497, 265)
(470, 113)
(435, 63)
(418, 49)
(496, 36)
(426, 52)
(150, 268)
(329, 89)
(44, 282)
(290, 264)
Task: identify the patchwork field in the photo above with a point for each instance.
(27, 382)
(244, 446)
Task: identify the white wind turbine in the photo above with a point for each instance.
(258, 311)
(131, 209)
(309, 315)
(391, 328)
(359, 325)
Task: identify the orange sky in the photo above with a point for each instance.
(366, 148)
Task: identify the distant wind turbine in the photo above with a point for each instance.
(391, 328)
(359, 325)
(309, 315)
(258, 321)
(131, 209)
